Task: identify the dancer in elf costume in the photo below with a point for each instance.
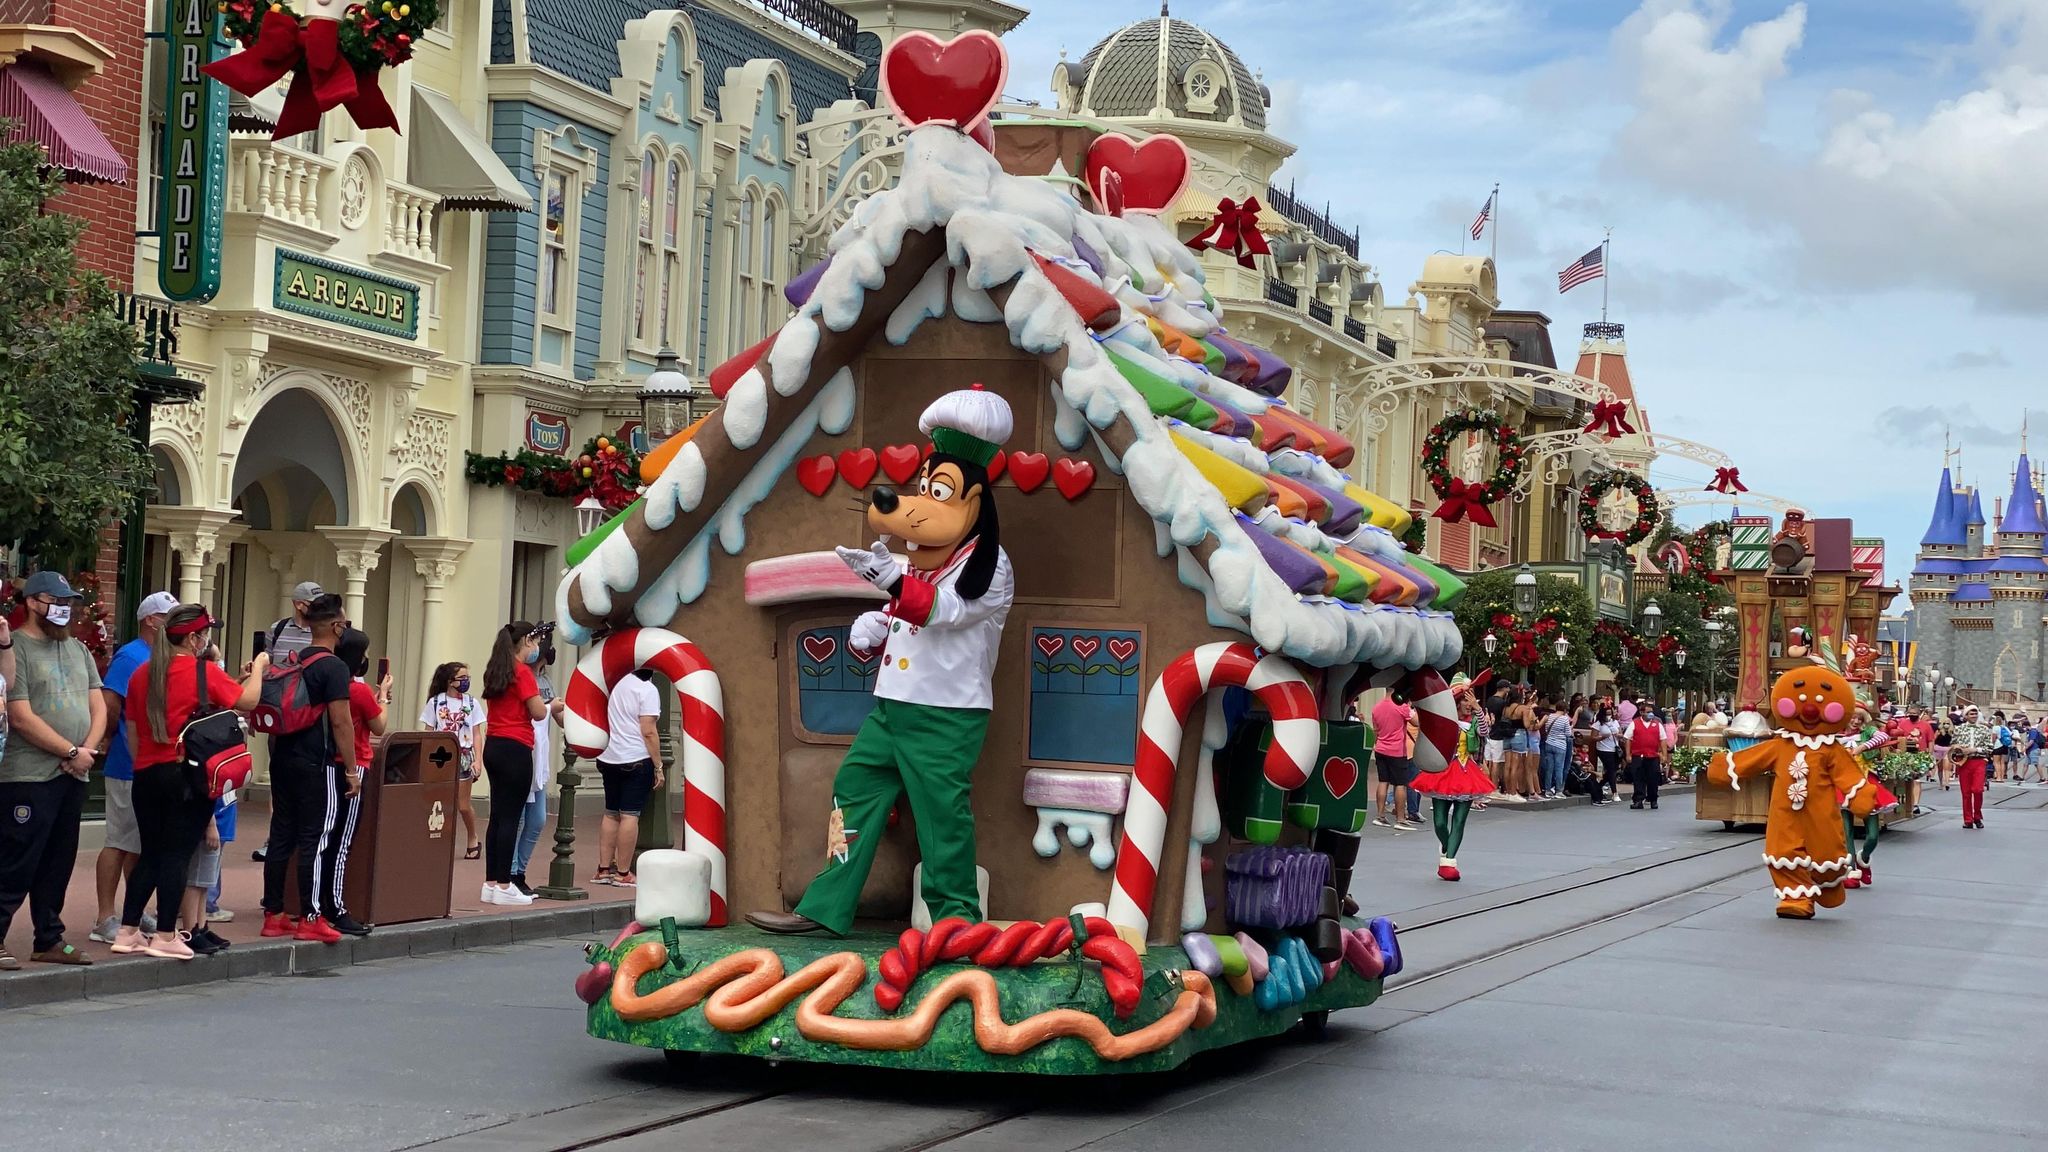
(1866, 747)
(948, 598)
(1452, 790)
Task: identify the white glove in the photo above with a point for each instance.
(869, 632)
(874, 564)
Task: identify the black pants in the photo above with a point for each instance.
(334, 846)
(509, 766)
(171, 812)
(1648, 772)
(303, 802)
(38, 845)
(1610, 774)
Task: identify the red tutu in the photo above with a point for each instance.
(1461, 780)
(1885, 800)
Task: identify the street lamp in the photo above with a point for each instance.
(1489, 642)
(1525, 591)
(665, 399)
(1561, 647)
(589, 515)
(1949, 682)
(1714, 638)
(1653, 627)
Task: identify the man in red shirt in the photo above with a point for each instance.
(1646, 756)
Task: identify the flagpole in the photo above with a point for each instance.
(1495, 201)
(1606, 272)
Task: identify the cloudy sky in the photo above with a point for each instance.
(1829, 239)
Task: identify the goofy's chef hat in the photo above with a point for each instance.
(971, 424)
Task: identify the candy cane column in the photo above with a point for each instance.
(618, 656)
(1297, 738)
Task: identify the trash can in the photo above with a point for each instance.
(401, 863)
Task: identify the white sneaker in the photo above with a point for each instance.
(104, 931)
(490, 895)
(510, 896)
(224, 916)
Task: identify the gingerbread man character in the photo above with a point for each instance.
(1810, 759)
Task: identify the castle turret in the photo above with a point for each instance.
(1945, 531)
(1973, 526)
(1936, 571)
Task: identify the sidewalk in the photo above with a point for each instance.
(242, 893)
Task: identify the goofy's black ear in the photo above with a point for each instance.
(980, 570)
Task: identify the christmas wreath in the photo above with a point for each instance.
(1596, 490)
(1618, 647)
(605, 469)
(1464, 498)
(332, 63)
(1525, 644)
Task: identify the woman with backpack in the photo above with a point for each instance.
(450, 708)
(173, 795)
(512, 702)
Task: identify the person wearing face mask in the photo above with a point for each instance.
(57, 719)
(450, 708)
(512, 702)
(534, 816)
(306, 785)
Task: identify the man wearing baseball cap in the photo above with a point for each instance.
(290, 636)
(58, 718)
(124, 838)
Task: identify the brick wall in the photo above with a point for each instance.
(114, 99)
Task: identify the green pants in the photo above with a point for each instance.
(1872, 826)
(928, 754)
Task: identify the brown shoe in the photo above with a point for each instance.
(62, 954)
(783, 923)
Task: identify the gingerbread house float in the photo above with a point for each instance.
(1199, 592)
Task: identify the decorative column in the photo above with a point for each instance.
(194, 535)
(209, 589)
(356, 551)
(434, 558)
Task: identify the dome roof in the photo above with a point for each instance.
(1195, 75)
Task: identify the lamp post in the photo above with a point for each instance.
(1949, 682)
(1714, 630)
(1524, 600)
(666, 408)
(590, 515)
(1653, 629)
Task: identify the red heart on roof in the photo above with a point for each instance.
(1029, 470)
(816, 474)
(1073, 477)
(900, 461)
(858, 466)
(932, 81)
(983, 133)
(1154, 173)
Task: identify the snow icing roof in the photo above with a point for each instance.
(1242, 500)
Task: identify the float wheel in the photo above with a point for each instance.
(1727, 825)
(679, 1059)
(1316, 1025)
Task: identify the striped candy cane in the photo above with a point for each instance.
(1297, 738)
(585, 726)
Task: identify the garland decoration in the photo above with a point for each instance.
(1463, 498)
(1618, 647)
(608, 470)
(1596, 490)
(1525, 644)
(1415, 537)
(333, 63)
(92, 621)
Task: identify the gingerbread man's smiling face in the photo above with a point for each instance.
(1812, 702)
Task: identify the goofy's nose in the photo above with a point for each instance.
(884, 500)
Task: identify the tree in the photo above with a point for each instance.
(68, 460)
(1491, 595)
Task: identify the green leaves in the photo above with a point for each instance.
(1488, 594)
(69, 459)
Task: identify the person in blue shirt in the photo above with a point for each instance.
(124, 839)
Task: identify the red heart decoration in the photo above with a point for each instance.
(1340, 775)
(820, 648)
(1029, 470)
(983, 133)
(1122, 649)
(858, 466)
(1073, 477)
(1050, 644)
(927, 80)
(1108, 189)
(1154, 173)
(817, 473)
(997, 464)
(900, 461)
(1085, 646)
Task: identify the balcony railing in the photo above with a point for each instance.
(828, 23)
(1319, 223)
(1387, 347)
(1320, 312)
(1282, 293)
(1357, 331)
(298, 188)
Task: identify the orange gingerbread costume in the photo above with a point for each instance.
(1810, 762)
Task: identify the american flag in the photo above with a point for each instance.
(1591, 266)
(1485, 213)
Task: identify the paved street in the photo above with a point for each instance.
(1605, 978)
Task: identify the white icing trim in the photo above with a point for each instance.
(1790, 863)
(1799, 892)
(1809, 743)
(1851, 793)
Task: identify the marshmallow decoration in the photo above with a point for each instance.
(673, 885)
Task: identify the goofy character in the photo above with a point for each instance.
(949, 595)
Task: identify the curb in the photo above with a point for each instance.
(1663, 791)
(47, 985)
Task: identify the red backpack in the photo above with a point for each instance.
(287, 705)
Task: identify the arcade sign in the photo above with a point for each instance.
(195, 155)
(338, 293)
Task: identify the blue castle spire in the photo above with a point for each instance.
(1946, 527)
(2024, 513)
(1976, 516)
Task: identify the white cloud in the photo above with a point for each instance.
(1967, 361)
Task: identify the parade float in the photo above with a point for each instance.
(1005, 482)
(1810, 587)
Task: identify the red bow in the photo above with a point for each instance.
(1726, 480)
(1235, 230)
(1463, 500)
(1610, 417)
(321, 79)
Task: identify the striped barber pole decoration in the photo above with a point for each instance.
(1297, 741)
(585, 727)
(1436, 719)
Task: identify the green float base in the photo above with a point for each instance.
(1025, 992)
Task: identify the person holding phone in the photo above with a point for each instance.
(512, 702)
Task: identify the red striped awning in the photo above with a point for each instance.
(43, 111)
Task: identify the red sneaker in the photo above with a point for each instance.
(318, 929)
(1866, 876)
(279, 924)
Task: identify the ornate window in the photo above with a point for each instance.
(1202, 85)
(556, 225)
(741, 305)
(671, 256)
(1084, 695)
(645, 270)
(835, 689)
(774, 251)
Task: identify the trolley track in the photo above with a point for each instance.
(1454, 952)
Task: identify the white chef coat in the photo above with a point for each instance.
(950, 659)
